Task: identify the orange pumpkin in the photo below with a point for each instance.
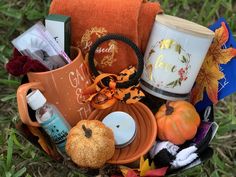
(177, 121)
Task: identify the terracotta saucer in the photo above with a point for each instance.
(146, 131)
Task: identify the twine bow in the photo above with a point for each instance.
(105, 97)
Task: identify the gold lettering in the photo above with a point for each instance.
(161, 64)
(88, 44)
(168, 66)
(159, 58)
(111, 48)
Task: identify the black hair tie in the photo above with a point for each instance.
(134, 79)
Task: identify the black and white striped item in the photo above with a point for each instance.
(167, 154)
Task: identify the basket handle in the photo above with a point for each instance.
(134, 78)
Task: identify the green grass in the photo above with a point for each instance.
(20, 158)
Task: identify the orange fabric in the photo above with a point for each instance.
(94, 18)
(145, 22)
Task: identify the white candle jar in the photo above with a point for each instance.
(173, 58)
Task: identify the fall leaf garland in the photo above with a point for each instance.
(210, 74)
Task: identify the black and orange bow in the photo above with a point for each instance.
(105, 96)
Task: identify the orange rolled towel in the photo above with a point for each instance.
(147, 16)
(91, 19)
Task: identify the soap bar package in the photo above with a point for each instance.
(60, 28)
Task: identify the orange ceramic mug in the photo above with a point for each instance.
(62, 87)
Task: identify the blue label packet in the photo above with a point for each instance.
(227, 85)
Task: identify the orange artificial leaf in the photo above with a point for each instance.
(207, 79)
(210, 74)
(221, 55)
(225, 55)
(221, 35)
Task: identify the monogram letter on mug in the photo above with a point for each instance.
(173, 58)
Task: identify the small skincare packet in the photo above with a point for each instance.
(37, 43)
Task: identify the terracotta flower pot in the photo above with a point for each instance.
(145, 135)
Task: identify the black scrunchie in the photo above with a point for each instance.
(135, 78)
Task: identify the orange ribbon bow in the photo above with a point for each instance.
(105, 97)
